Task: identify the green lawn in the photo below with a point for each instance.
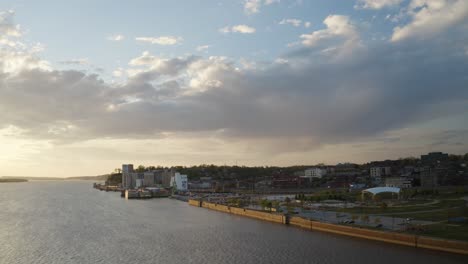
(457, 232)
(401, 210)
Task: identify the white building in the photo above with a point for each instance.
(315, 172)
(179, 182)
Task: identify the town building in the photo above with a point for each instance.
(434, 157)
(283, 181)
(179, 182)
(428, 177)
(346, 170)
(378, 172)
(156, 178)
(398, 182)
(315, 172)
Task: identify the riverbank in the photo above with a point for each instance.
(389, 237)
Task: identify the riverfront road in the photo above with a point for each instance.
(70, 222)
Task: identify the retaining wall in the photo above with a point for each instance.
(194, 203)
(443, 245)
(390, 237)
(277, 218)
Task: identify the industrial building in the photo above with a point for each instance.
(132, 179)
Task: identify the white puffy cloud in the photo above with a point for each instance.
(203, 47)
(291, 21)
(162, 40)
(7, 27)
(253, 6)
(376, 4)
(20, 57)
(243, 29)
(429, 17)
(117, 37)
(208, 73)
(150, 67)
(340, 37)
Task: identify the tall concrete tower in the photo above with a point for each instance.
(127, 170)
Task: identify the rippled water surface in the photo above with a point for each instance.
(69, 222)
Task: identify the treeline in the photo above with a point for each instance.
(257, 172)
(227, 172)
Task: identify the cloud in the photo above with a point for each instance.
(253, 6)
(340, 36)
(9, 31)
(118, 73)
(14, 59)
(307, 24)
(303, 101)
(152, 67)
(83, 61)
(430, 17)
(117, 37)
(203, 47)
(7, 27)
(291, 21)
(243, 29)
(376, 4)
(305, 104)
(163, 40)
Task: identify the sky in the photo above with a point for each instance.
(86, 86)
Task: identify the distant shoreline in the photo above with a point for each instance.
(12, 180)
(74, 178)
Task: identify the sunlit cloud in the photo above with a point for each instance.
(163, 40)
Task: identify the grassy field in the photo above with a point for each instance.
(447, 231)
(439, 212)
(436, 216)
(412, 208)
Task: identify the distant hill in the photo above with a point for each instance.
(32, 178)
(88, 178)
(3, 180)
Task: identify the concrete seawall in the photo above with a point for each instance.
(389, 237)
(277, 218)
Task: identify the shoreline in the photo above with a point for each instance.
(12, 180)
(451, 246)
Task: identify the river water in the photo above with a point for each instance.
(70, 222)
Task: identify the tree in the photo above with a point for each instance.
(377, 220)
(264, 204)
(365, 219)
(140, 168)
(275, 204)
(114, 179)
